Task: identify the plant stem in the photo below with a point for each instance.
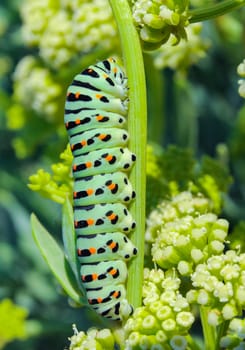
(208, 330)
(210, 11)
(133, 59)
(220, 332)
(192, 344)
(155, 84)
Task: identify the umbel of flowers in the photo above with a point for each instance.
(189, 239)
(219, 284)
(64, 29)
(165, 317)
(36, 81)
(92, 339)
(156, 20)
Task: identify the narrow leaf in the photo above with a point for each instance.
(69, 239)
(56, 260)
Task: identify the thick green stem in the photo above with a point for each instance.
(134, 64)
(214, 10)
(208, 330)
(156, 117)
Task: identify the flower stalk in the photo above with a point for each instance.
(134, 64)
(208, 330)
(211, 11)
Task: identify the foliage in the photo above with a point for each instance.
(12, 322)
(196, 132)
(178, 171)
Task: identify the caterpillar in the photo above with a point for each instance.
(95, 119)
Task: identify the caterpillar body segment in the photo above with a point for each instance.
(103, 272)
(80, 120)
(111, 188)
(99, 218)
(100, 247)
(95, 139)
(103, 161)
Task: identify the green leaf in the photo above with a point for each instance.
(69, 239)
(56, 260)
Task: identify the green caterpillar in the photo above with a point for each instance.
(95, 119)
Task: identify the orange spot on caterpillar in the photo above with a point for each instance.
(99, 117)
(115, 70)
(77, 121)
(74, 194)
(83, 277)
(72, 147)
(98, 96)
(99, 300)
(115, 294)
(112, 245)
(67, 124)
(105, 76)
(113, 272)
(74, 167)
(102, 136)
(75, 223)
(90, 70)
(88, 164)
(92, 250)
(77, 94)
(68, 93)
(94, 276)
(111, 186)
(79, 252)
(109, 157)
(83, 142)
(90, 222)
(112, 216)
(90, 191)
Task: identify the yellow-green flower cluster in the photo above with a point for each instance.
(157, 19)
(36, 16)
(187, 241)
(35, 88)
(241, 82)
(186, 53)
(165, 318)
(12, 322)
(179, 207)
(93, 339)
(63, 29)
(220, 285)
(57, 186)
(235, 335)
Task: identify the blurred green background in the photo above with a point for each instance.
(198, 106)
